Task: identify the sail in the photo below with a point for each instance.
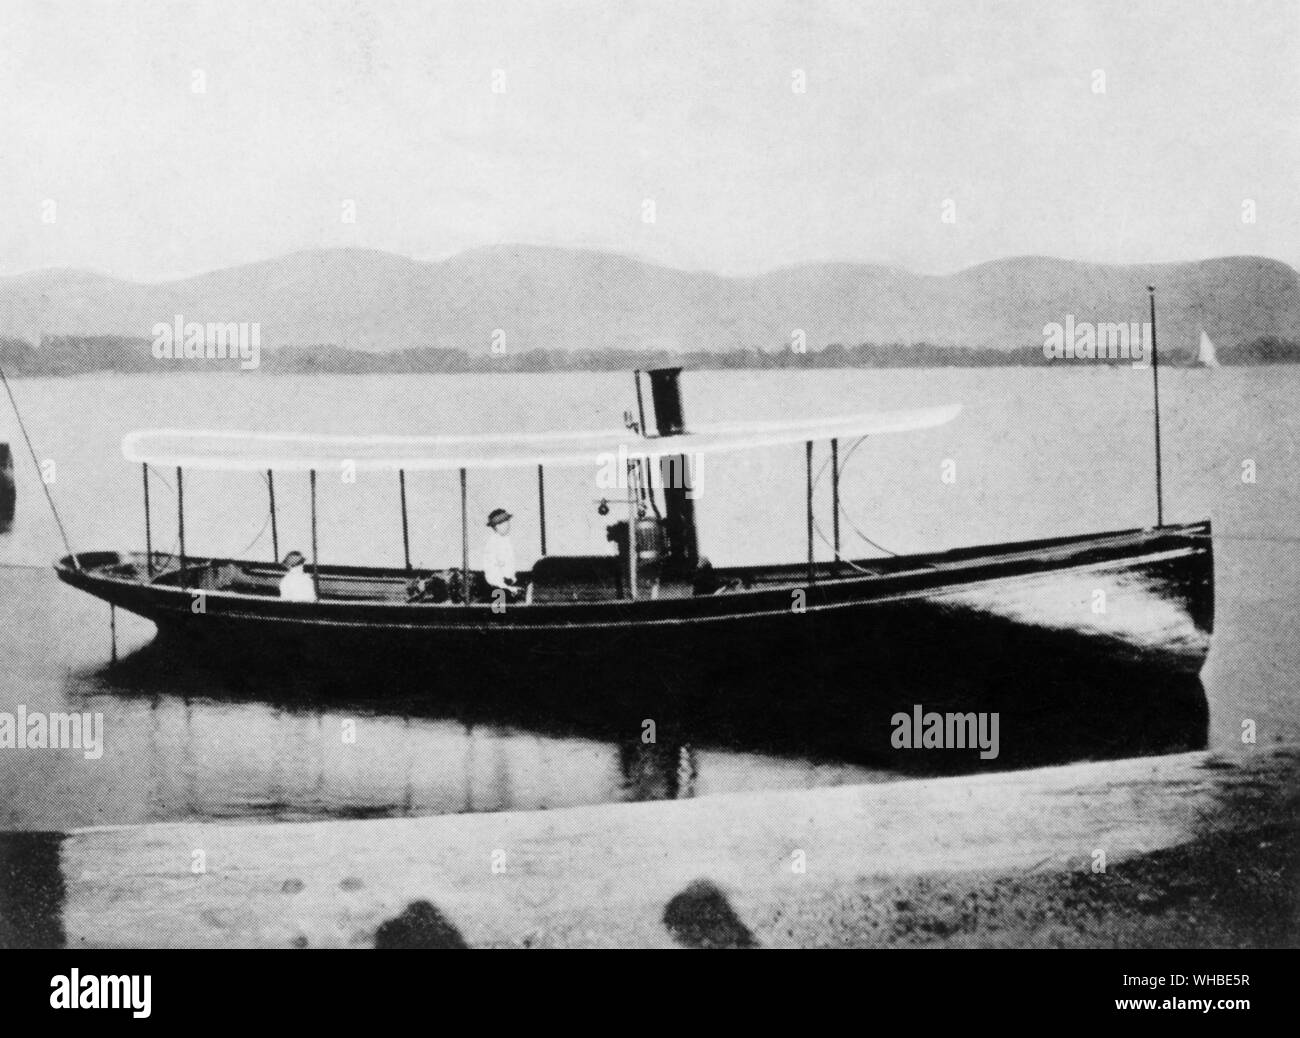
(300, 452)
(1206, 356)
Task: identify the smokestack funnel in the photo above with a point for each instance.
(666, 392)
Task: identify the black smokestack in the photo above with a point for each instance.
(666, 392)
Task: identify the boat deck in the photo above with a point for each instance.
(604, 578)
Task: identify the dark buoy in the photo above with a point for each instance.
(8, 492)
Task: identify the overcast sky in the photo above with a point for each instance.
(994, 106)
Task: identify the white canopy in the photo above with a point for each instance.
(299, 452)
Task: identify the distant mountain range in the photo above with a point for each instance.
(336, 303)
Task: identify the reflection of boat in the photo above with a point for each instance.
(1077, 705)
(653, 614)
(1206, 355)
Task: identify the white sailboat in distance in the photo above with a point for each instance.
(1206, 355)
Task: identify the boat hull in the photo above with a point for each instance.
(1084, 623)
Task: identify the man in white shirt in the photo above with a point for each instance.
(296, 585)
(499, 553)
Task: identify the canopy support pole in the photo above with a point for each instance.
(406, 532)
(275, 533)
(148, 531)
(466, 590)
(315, 561)
(835, 498)
(631, 530)
(1155, 389)
(808, 460)
(180, 516)
(541, 505)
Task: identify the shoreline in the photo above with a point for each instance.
(1200, 849)
(1234, 890)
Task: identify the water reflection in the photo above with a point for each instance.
(658, 771)
(185, 740)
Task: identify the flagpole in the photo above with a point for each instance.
(1155, 389)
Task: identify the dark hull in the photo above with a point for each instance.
(1022, 627)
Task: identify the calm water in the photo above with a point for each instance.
(1038, 452)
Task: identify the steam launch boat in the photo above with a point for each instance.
(652, 613)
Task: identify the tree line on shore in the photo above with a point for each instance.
(73, 355)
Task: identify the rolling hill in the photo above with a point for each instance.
(567, 299)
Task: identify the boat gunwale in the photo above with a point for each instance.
(972, 561)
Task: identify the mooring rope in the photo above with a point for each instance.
(265, 523)
(36, 461)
